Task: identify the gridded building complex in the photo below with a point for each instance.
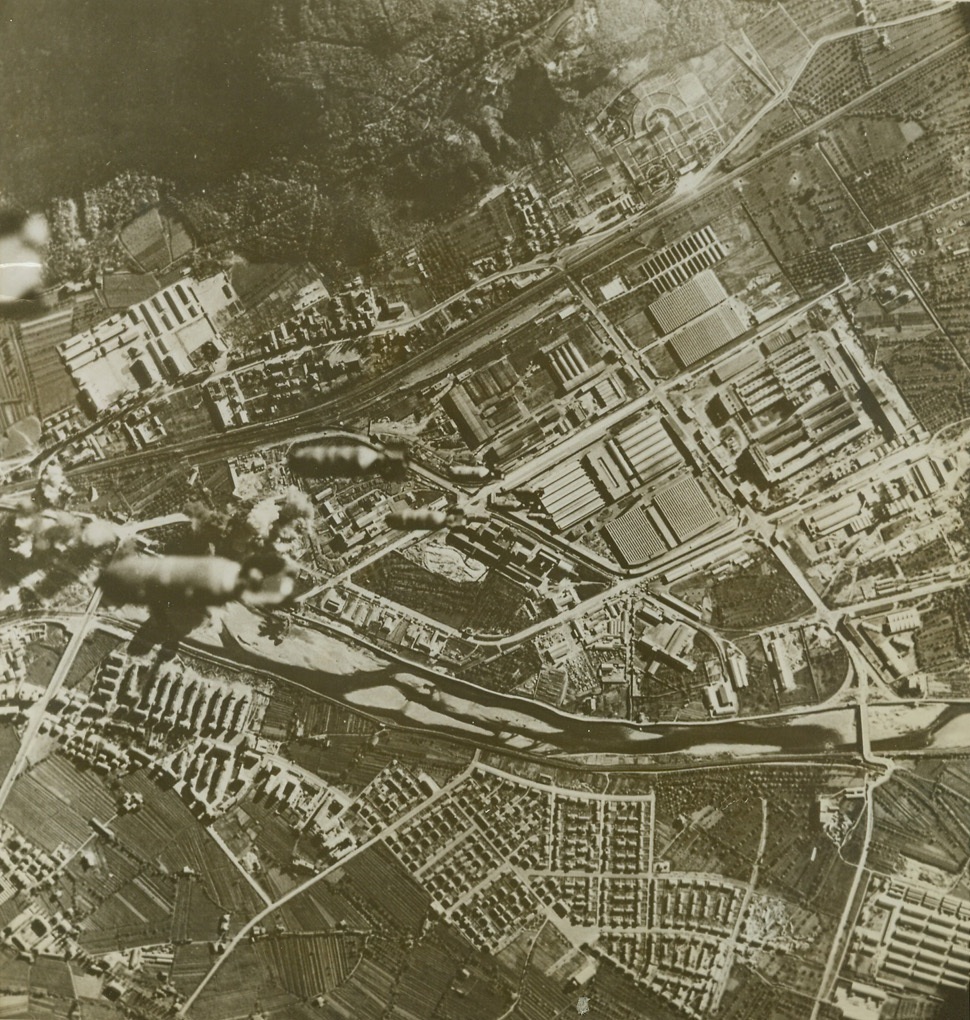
(635, 537)
(678, 262)
(911, 937)
(639, 454)
(675, 514)
(709, 332)
(675, 307)
(800, 405)
(152, 342)
(691, 308)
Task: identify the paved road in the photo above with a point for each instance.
(39, 708)
(270, 908)
(466, 340)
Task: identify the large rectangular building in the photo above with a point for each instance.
(677, 512)
(678, 306)
(685, 507)
(464, 413)
(637, 455)
(635, 537)
(568, 367)
(709, 332)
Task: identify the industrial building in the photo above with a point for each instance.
(670, 642)
(784, 676)
(709, 332)
(685, 508)
(568, 367)
(903, 620)
(154, 341)
(721, 699)
(848, 513)
(678, 262)
(636, 456)
(799, 405)
(789, 372)
(110, 360)
(674, 514)
(464, 413)
(817, 429)
(635, 537)
(678, 306)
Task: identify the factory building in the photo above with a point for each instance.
(110, 360)
(903, 620)
(678, 306)
(848, 513)
(674, 514)
(709, 332)
(635, 537)
(685, 508)
(464, 412)
(636, 456)
(676, 263)
(154, 341)
(817, 429)
(568, 367)
(670, 642)
(784, 677)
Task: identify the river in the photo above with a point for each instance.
(342, 670)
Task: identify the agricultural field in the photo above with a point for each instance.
(96, 648)
(44, 654)
(942, 640)
(800, 208)
(54, 801)
(223, 884)
(776, 39)
(242, 986)
(817, 18)
(940, 270)
(9, 745)
(836, 75)
(929, 373)
(922, 163)
(132, 902)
